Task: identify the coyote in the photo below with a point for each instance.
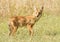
(29, 21)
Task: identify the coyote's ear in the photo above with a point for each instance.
(35, 9)
(41, 9)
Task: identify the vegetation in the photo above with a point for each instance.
(47, 29)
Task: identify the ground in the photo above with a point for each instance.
(47, 29)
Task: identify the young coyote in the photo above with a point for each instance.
(29, 21)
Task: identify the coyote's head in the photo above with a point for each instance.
(37, 13)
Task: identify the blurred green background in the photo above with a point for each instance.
(47, 29)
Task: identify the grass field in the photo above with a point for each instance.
(47, 29)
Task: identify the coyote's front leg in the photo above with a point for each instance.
(29, 26)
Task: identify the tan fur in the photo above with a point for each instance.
(29, 21)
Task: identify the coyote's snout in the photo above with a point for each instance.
(29, 21)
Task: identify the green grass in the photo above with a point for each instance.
(47, 29)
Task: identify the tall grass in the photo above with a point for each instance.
(47, 29)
